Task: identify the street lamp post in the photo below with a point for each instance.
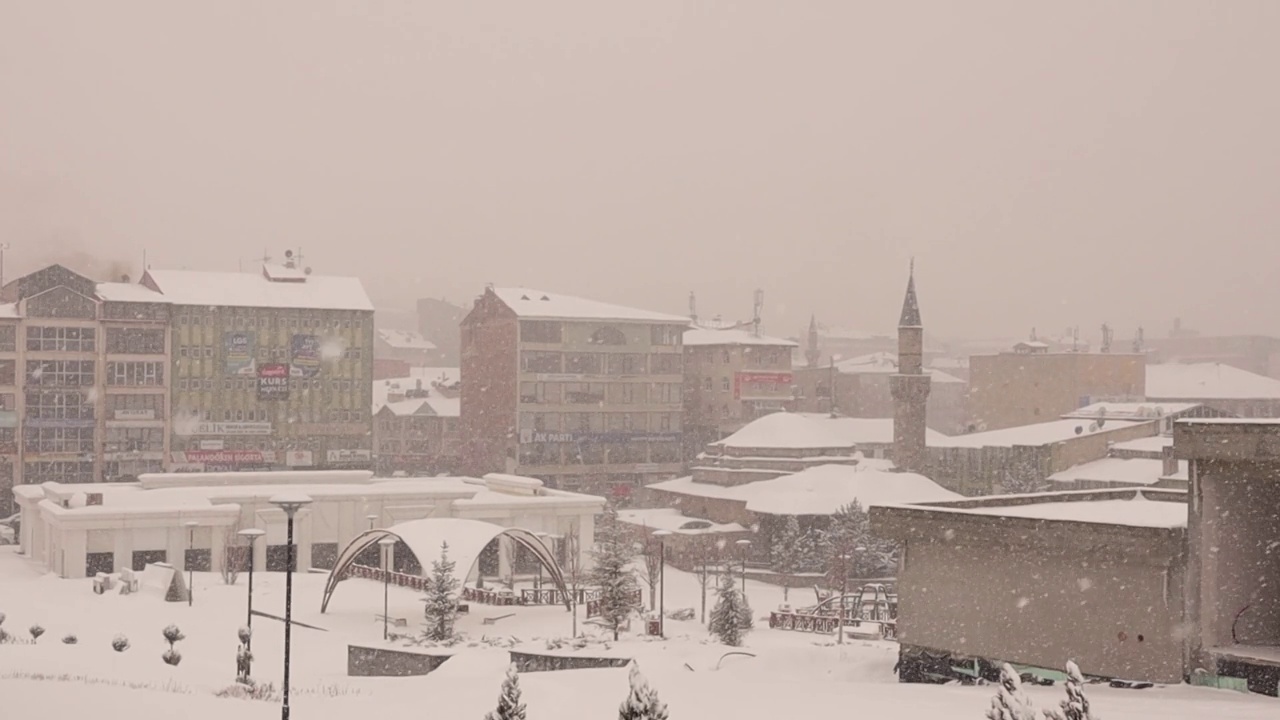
(662, 581)
(372, 518)
(251, 535)
(191, 545)
(844, 588)
(290, 503)
(743, 544)
(385, 545)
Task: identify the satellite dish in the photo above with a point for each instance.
(1079, 429)
(1093, 427)
(306, 271)
(288, 253)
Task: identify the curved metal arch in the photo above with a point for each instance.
(409, 532)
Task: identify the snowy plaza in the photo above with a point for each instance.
(792, 674)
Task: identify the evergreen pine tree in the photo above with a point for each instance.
(612, 573)
(1076, 706)
(731, 616)
(642, 702)
(1011, 703)
(442, 606)
(849, 533)
(509, 705)
(788, 552)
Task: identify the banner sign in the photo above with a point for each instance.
(341, 456)
(541, 436)
(238, 347)
(273, 381)
(779, 380)
(223, 428)
(305, 355)
(223, 457)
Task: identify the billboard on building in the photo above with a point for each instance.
(305, 355)
(752, 385)
(273, 381)
(238, 347)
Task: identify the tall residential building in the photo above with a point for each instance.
(83, 381)
(732, 376)
(910, 387)
(268, 370)
(578, 393)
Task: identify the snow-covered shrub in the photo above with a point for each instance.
(642, 702)
(731, 616)
(250, 691)
(509, 705)
(120, 643)
(70, 639)
(172, 635)
(1076, 706)
(171, 657)
(245, 633)
(1011, 703)
(36, 631)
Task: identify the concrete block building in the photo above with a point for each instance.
(731, 377)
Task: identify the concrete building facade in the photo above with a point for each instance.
(1031, 385)
(862, 388)
(731, 377)
(578, 393)
(417, 431)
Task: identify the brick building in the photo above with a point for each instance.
(1032, 385)
(731, 376)
(578, 393)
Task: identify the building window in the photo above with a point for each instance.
(583, 393)
(135, 341)
(148, 407)
(134, 440)
(57, 439)
(60, 339)
(540, 362)
(725, 357)
(626, 364)
(55, 405)
(60, 373)
(665, 334)
(8, 338)
(141, 374)
(706, 383)
(59, 471)
(536, 331)
(665, 364)
(583, 363)
(608, 336)
(724, 384)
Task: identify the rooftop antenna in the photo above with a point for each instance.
(1075, 339)
(1138, 340)
(755, 315)
(693, 307)
(1106, 338)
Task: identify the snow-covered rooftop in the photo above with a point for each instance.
(434, 404)
(1128, 471)
(701, 336)
(1208, 381)
(129, 292)
(9, 310)
(1131, 410)
(405, 340)
(1135, 512)
(820, 490)
(1038, 434)
(529, 303)
(426, 375)
(671, 519)
(236, 289)
(795, 431)
(887, 363)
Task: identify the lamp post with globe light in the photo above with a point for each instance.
(290, 503)
(251, 535)
(191, 546)
(743, 544)
(385, 545)
(662, 536)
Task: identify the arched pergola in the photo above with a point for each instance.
(466, 538)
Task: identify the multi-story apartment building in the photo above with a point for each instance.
(578, 393)
(416, 430)
(732, 376)
(82, 380)
(268, 370)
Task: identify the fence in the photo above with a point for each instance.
(593, 606)
(413, 582)
(553, 596)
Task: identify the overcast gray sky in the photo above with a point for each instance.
(1047, 163)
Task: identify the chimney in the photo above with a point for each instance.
(1169, 462)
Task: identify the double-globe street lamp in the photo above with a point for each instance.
(385, 545)
(290, 503)
(250, 535)
(743, 544)
(191, 546)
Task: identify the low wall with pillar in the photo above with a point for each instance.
(385, 662)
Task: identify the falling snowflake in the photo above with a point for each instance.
(1084, 583)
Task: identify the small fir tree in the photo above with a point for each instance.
(509, 705)
(70, 639)
(442, 603)
(731, 616)
(36, 631)
(172, 635)
(1076, 706)
(120, 643)
(1011, 703)
(788, 553)
(642, 702)
(612, 573)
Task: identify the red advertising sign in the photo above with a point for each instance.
(273, 381)
(227, 457)
(778, 381)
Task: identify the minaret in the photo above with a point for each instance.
(910, 387)
(811, 352)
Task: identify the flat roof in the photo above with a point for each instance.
(1038, 434)
(702, 336)
(530, 303)
(1131, 508)
(1208, 381)
(244, 289)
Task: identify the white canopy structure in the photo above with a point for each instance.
(466, 538)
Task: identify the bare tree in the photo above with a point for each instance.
(707, 551)
(233, 554)
(573, 567)
(651, 570)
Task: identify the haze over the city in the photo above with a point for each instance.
(1046, 165)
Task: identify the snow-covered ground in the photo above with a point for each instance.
(792, 675)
